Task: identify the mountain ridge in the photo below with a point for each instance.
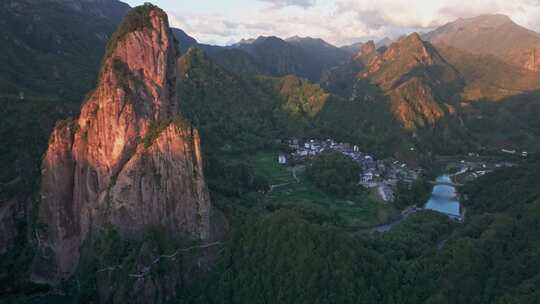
(414, 74)
(495, 35)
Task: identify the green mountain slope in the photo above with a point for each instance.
(272, 56)
(50, 54)
(488, 77)
(323, 51)
(43, 44)
(278, 254)
(244, 114)
(286, 257)
(227, 108)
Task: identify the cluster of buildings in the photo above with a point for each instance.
(473, 170)
(381, 174)
(514, 152)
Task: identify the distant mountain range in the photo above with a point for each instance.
(425, 87)
(355, 47)
(427, 77)
(306, 57)
(495, 35)
(323, 51)
(133, 161)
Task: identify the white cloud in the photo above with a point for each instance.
(285, 3)
(347, 21)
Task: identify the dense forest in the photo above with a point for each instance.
(309, 246)
(285, 256)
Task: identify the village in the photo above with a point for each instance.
(470, 170)
(383, 175)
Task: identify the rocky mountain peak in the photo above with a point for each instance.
(308, 41)
(400, 58)
(491, 20)
(128, 161)
(415, 76)
(368, 53)
(143, 49)
(494, 35)
(368, 48)
(296, 38)
(413, 38)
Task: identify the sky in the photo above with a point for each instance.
(340, 22)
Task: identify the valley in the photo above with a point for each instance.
(140, 165)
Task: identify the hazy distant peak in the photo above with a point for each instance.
(309, 42)
(413, 37)
(383, 42)
(246, 41)
(487, 19)
(368, 48)
(261, 39)
(352, 48)
(297, 38)
(495, 35)
(254, 41)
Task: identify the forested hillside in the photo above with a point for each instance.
(44, 76)
(242, 114)
(50, 53)
(305, 231)
(285, 257)
(43, 43)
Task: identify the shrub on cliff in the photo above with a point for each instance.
(136, 20)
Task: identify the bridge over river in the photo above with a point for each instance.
(444, 198)
(445, 183)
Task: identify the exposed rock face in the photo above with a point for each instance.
(414, 104)
(368, 48)
(126, 161)
(416, 78)
(368, 52)
(533, 62)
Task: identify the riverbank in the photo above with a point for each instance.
(388, 226)
(445, 197)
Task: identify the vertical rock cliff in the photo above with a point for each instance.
(533, 59)
(127, 161)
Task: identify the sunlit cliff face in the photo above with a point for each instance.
(127, 161)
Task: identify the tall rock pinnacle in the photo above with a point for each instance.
(127, 162)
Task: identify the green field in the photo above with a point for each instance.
(362, 210)
(267, 165)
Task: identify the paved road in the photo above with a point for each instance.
(388, 226)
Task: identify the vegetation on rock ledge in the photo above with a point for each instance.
(137, 19)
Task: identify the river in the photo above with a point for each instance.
(444, 198)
